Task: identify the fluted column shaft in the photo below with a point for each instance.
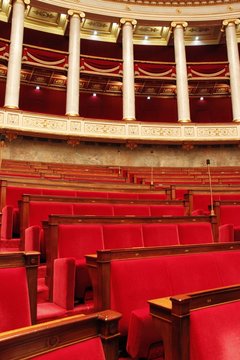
(73, 78)
(128, 70)
(15, 56)
(181, 73)
(234, 66)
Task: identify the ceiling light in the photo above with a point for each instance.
(94, 94)
(37, 87)
(145, 37)
(201, 98)
(197, 38)
(95, 32)
(149, 97)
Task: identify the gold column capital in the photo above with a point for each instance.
(72, 12)
(26, 2)
(133, 22)
(227, 22)
(175, 24)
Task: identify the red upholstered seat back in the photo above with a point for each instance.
(152, 196)
(215, 332)
(60, 192)
(124, 209)
(122, 236)
(202, 201)
(92, 209)
(77, 240)
(195, 272)
(64, 282)
(7, 222)
(100, 194)
(160, 210)
(14, 299)
(230, 214)
(195, 233)
(15, 193)
(160, 234)
(228, 265)
(122, 195)
(32, 238)
(90, 349)
(39, 211)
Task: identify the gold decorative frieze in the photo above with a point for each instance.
(5, 9)
(219, 132)
(104, 129)
(48, 124)
(160, 131)
(45, 20)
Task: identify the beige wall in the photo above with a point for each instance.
(115, 154)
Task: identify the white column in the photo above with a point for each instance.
(73, 78)
(15, 55)
(234, 67)
(128, 69)
(181, 72)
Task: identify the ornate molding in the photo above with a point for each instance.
(77, 128)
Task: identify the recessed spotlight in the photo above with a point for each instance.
(201, 98)
(94, 94)
(145, 37)
(197, 38)
(37, 87)
(149, 97)
(95, 32)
